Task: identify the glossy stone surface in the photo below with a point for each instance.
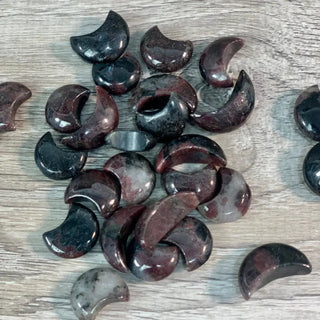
(104, 119)
(57, 163)
(215, 58)
(234, 113)
(152, 266)
(117, 77)
(106, 44)
(202, 182)
(164, 54)
(76, 235)
(163, 216)
(135, 174)
(270, 262)
(164, 84)
(131, 140)
(12, 95)
(63, 108)
(307, 112)
(95, 289)
(115, 232)
(163, 116)
(190, 148)
(194, 240)
(99, 187)
(311, 169)
(232, 201)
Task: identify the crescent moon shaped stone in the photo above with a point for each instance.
(115, 232)
(163, 116)
(164, 84)
(152, 266)
(104, 119)
(307, 112)
(163, 54)
(95, 289)
(96, 186)
(190, 148)
(234, 113)
(12, 96)
(131, 140)
(117, 77)
(163, 216)
(311, 169)
(64, 107)
(215, 58)
(76, 236)
(135, 174)
(106, 44)
(194, 240)
(56, 163)
(232, 201)
(270, 262)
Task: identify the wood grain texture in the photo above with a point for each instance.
(282, 57)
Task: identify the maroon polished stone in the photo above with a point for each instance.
(12, 96)
(232, 201)
(152, 266)
(64, 107)
(161, 217)
(215, 58)
(164, 84)
(270, 262)
(190, 148)
(135, 174)
(235, 111)
(104, 119)
(202, 182)
(96, 186)
(164, 54)
(115, 232)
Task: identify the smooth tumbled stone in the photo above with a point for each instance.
(96, 186)
(12, 95)
(95, 289)
(135, 174)
(117, 77)
(105, 44)
(76, 236)
(152, 266)
(311, 169)
(268, 263)
(57, 163)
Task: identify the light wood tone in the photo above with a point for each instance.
(282, 57)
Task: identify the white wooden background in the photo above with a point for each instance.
(281, 55)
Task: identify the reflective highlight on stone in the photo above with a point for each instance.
(57, 163)
(232, 201)
(105, 44)
(131, 140)
(164, 54)
(270, 262)
(152, 266)
(163, 216)
(117, 77)
(215, 58)
(234, 113)
(190, 148)
(115, 232)
(95, 289)
(12, 96)
(311, 169)
(307, 112)
(76, 235)
(135, 174)
(104, 119)
(64, 107)
(99, 187)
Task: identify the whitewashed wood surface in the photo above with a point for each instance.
(281, 55)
